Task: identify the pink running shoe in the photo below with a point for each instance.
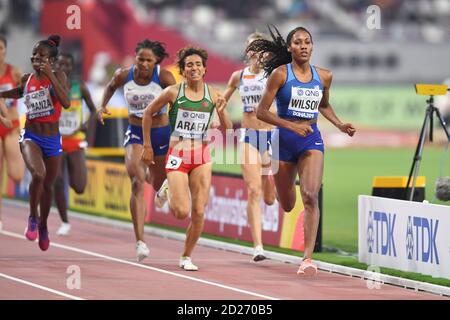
(31, 232)
(307, 268)
(44, 241)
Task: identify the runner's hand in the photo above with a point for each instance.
(302, 129)
(101, 112)
(221, 103)
(347, 128)
(45, 68)
(147, 155)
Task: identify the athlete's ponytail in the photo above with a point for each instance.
(52, 43)
(274, 52)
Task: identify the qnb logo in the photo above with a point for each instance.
(380, 233)
(308, 92)
(425, 230)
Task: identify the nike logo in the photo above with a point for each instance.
(179, 101)
(133, 136)
(318, 143)
(162, 147)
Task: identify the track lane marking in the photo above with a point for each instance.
(102, 256)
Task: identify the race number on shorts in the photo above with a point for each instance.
(173, 162)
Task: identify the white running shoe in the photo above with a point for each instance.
(142, 251)
(186, 264)
(258, 254)
(64, 229)
(162, 195)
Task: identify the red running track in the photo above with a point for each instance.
(105, 257)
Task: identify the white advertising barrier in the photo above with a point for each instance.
(404, 235)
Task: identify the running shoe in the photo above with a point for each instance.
(44, 241)
(142, 251)
(162, 195)
(64, 229)
(307, 268)
(258, 254)
(31, 232)
(186, 264)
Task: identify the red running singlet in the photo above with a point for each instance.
(41, 101)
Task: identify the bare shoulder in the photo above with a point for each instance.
(164, 72)
(213, 91)
(237, 74)
(325, 75)
(278, 76)
(121, 74)
(25, 78)
(172, 91)
(166, 77)
(280, 72)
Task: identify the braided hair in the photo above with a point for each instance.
(156, 46)
(277, 48)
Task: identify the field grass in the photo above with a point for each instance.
(349, 173)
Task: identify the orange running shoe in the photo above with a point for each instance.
(307, 268)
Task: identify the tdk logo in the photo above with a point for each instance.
(380, 233)
(425, 230)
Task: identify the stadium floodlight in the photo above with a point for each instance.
(428, 90)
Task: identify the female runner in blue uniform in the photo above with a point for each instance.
(301, 91)
(142, 83)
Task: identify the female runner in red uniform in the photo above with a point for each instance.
(45, 93)
(9, 133)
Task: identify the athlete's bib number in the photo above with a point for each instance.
(173, 162)
(138, 100)
(191, 124)
(304, 102)
(69, 123)
(39, 104)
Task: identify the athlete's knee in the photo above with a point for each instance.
(310, 199)
(198, 218)
(59, 184)
(179, 211)
(38, 175)
(254, 191)
(137, 185)
(287, 205)
(79, 186)
(48, 186)
(16, 176)
(269, 199)
(79, 189)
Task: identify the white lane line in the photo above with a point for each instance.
(34, 285)
(98, 255)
